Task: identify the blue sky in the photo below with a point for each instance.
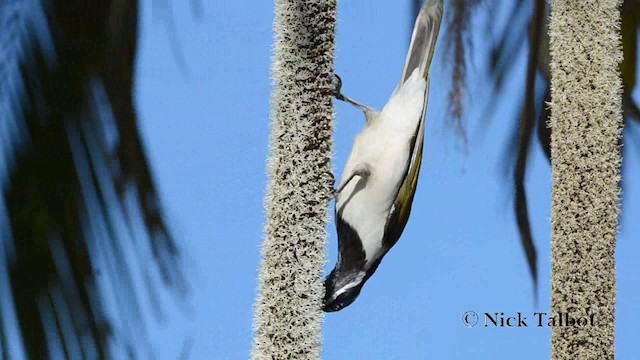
(206, 129)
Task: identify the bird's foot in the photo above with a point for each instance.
(337, 87)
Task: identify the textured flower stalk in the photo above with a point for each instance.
(586, 125)
(288, 316)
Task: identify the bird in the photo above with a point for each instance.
(374, 196)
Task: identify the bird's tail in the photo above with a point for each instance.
(423, 40)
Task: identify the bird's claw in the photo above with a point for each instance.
(337, 92)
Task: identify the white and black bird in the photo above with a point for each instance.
(374, 196)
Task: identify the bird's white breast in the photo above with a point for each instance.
(384, 146)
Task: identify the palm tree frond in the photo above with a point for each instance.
(527, 124)
(89, 245)
(511, 41)
(458, 40)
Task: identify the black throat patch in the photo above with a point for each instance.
(351, 255)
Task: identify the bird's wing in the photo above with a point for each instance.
(423, 40)
(423, 44)
(401, 207)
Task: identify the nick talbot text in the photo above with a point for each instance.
(538, 319)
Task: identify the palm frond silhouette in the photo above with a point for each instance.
(85, 244)
(525, 30)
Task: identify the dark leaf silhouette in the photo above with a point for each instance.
(458, 43)
(87, 247)
(525, 30)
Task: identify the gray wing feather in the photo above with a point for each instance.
(423, 43)
(423, 40)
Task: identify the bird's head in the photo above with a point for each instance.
(342, 288)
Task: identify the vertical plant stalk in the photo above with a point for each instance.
(288, 318)
(586, 123)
